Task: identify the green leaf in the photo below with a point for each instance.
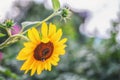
(56, 4)
(26, 25)
(2, 35)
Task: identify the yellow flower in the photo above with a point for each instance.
(43, 49)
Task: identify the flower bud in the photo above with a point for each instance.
(65, 13)
(9, 23)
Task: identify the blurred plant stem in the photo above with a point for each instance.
(12, 39)
(38, 23)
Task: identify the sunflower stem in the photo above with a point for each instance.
(46, 19)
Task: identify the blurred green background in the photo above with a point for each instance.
(86, 58)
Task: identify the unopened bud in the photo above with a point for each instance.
(9, 23)
(65, 14)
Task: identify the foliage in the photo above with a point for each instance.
(56, 4)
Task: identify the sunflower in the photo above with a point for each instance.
(43, 49)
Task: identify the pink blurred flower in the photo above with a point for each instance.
(1, 56)
(15, 29)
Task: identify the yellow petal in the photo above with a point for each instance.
(63, 41)
(60, 43)
(34, 67)
(45, 40)
(24, 54)
(28, 67)
(31, 36)
(33, 71)
(45, 63)
(52, 30)
(59, 52)
(60, 47)
(56, 37)
(26, 71)
(29, 45)
(27, 64)
(36, 34)
(39, 68)
(62, 52)
(44, 30)
(49, 67)
(23, 67)
(53, 62)
(56, 58)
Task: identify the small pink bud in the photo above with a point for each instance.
(15, 29)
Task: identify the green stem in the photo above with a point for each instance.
(22, 36)
(12, 39)
(8, 31)
(49, 17)
(46, 19)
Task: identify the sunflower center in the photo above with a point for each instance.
(43, 51)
